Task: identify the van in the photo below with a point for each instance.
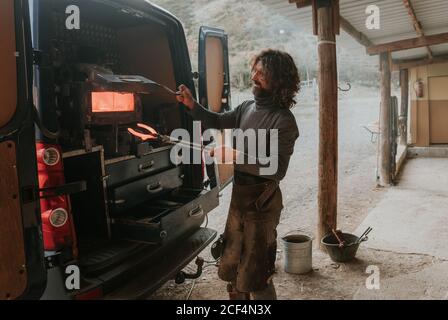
(89, 210)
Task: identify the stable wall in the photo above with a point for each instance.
(429, 114)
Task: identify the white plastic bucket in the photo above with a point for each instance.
(297, 253)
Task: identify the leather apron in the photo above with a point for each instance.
(250, 236)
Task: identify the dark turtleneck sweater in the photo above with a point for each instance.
(259, 114)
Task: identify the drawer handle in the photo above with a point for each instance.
(154, 188)
(163, 234)
(143, 167)
(118, 201)
(196, 212)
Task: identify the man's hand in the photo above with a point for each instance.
(224, 154)
(186, 97)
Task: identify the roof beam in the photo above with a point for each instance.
(416, 23)
(407, 64)
(409, 44)
(301, 3)
(345, 25)
(357, 35)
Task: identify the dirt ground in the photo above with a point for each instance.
(357, 194)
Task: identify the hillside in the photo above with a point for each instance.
(252, 27)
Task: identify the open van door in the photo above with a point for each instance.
(22, 266)
(214, 85)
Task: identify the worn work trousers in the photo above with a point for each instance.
(268, 293)
(250, 237)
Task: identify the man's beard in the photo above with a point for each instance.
(259, 92)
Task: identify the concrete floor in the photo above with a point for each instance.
(412, 219)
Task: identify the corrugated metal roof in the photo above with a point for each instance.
(395, 22)
(440, 49)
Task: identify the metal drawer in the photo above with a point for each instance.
(124, 171)
(143, 224)
(135, 193)
(160, 224)
(190, 216)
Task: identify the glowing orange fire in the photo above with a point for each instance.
(112, 102)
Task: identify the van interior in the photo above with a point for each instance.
(134, 193)
(114, 42)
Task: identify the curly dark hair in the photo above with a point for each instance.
(282, 74)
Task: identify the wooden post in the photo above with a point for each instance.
(404, 84)
(385, 145)
(328, 117)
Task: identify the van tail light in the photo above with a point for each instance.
(58, 218)
(57, 221)
(49, 156)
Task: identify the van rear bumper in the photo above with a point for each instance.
(163, 268)
(138, 277)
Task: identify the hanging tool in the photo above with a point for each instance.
(349, 87)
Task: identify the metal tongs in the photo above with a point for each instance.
(176, 93)
(150, 134)
(338, 235)
(363, 237)
(129, 83)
